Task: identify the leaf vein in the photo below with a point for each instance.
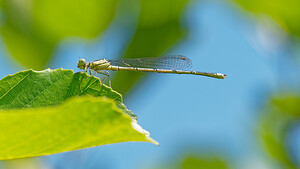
(58, 80)
(87, 87)
(14, 86)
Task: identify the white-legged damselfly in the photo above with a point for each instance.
(171, 64)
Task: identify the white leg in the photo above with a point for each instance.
(106, 73)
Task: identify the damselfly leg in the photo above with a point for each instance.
(106, 74)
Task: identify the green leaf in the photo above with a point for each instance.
(195, 162)
(29, 50)
(285, 14)
(33, 28)
(41, 114)
(280, 116)
(156, 32)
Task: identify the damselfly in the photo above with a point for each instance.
(172, 64)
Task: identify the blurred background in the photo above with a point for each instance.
(249, 120)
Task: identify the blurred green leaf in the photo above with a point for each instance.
(32, 28)
(281, 114)
(285, 13)
(195, 162)
(158, 29)
(27, 163)
(39, 114)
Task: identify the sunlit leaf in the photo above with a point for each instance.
(41, 114)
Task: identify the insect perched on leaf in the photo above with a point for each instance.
(171, 64)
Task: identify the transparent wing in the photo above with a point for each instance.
(165, 62)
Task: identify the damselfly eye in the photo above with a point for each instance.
(81, 63)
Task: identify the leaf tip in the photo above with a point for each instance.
(138, 128)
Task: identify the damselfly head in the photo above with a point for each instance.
(81, 63)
